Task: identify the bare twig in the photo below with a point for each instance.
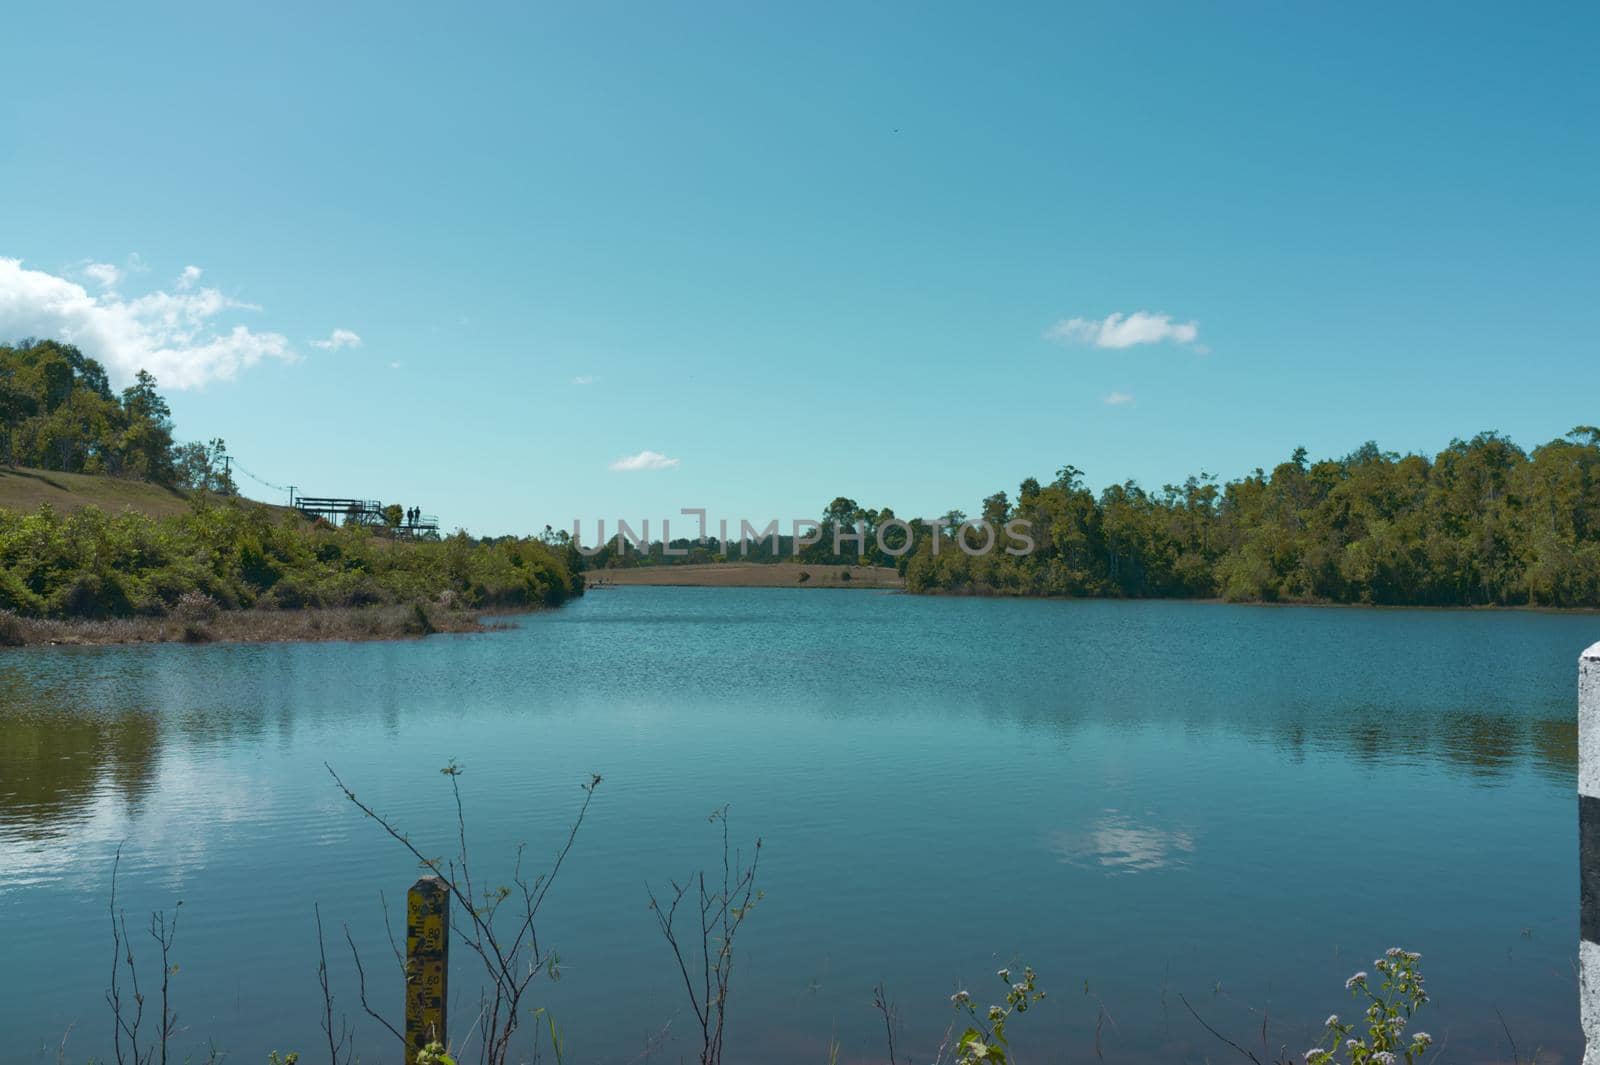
(1516, 1059)
(165, 935)
(708, 976)
(1213, 1031)
(510, 963)
(361, 985)
(881, 1003)
(127, 1019)
(344, 1043)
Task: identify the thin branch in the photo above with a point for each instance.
(361, 983)
(1213, 1031)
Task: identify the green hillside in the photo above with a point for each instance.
(26, 489)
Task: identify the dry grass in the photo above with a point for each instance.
(750, 575)
(395, 622)
(25, 489)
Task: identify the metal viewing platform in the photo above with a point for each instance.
(341, 510)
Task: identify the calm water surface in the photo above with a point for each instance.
(1241, 805)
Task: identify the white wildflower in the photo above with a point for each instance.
(1313, 1054)
(1333, 1019)
(960, 998)
(1358, 980)
(1421, 1039)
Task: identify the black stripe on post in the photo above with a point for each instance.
(1589, 868)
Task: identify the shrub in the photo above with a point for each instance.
(292, 593)
(11, 634)
(196, 606)
(16, 597)
(89, 565)
(92, 595)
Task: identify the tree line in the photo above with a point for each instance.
(59, 412)
(1483, 522)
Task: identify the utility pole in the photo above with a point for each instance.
(227, 472)
(291, 494)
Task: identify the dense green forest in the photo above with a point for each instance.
(1482, 522)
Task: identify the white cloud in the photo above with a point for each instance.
(1124, 331)
(644, 460)
(186, 280)
(1118, 399)
(103, 274)
(583, 379)
(173, 335)
(339, 338)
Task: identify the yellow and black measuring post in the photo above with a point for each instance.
(427, 963)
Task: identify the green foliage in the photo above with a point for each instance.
(434, 1054)
(203, 467)
(57, 412)
(985, 1038)
(1383, 1039)
(235, 554)
(1482, 523)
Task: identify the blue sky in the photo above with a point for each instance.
(807, 250)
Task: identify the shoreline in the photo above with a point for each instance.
(395, 622)
(970, 593)
(747, 575)
(322, 625)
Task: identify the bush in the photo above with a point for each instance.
(196, 606)
(291, 593)
(88, 565)
(16, 597)
(11, 634)
(94, 596)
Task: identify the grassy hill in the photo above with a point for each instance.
(25, 489)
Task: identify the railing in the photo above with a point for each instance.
(339, 510)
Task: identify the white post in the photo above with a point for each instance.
(1589, 851)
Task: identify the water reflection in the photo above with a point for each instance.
(85, 726)
(56, 758)
(1118, 843)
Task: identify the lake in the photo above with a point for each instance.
(1142, 800)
